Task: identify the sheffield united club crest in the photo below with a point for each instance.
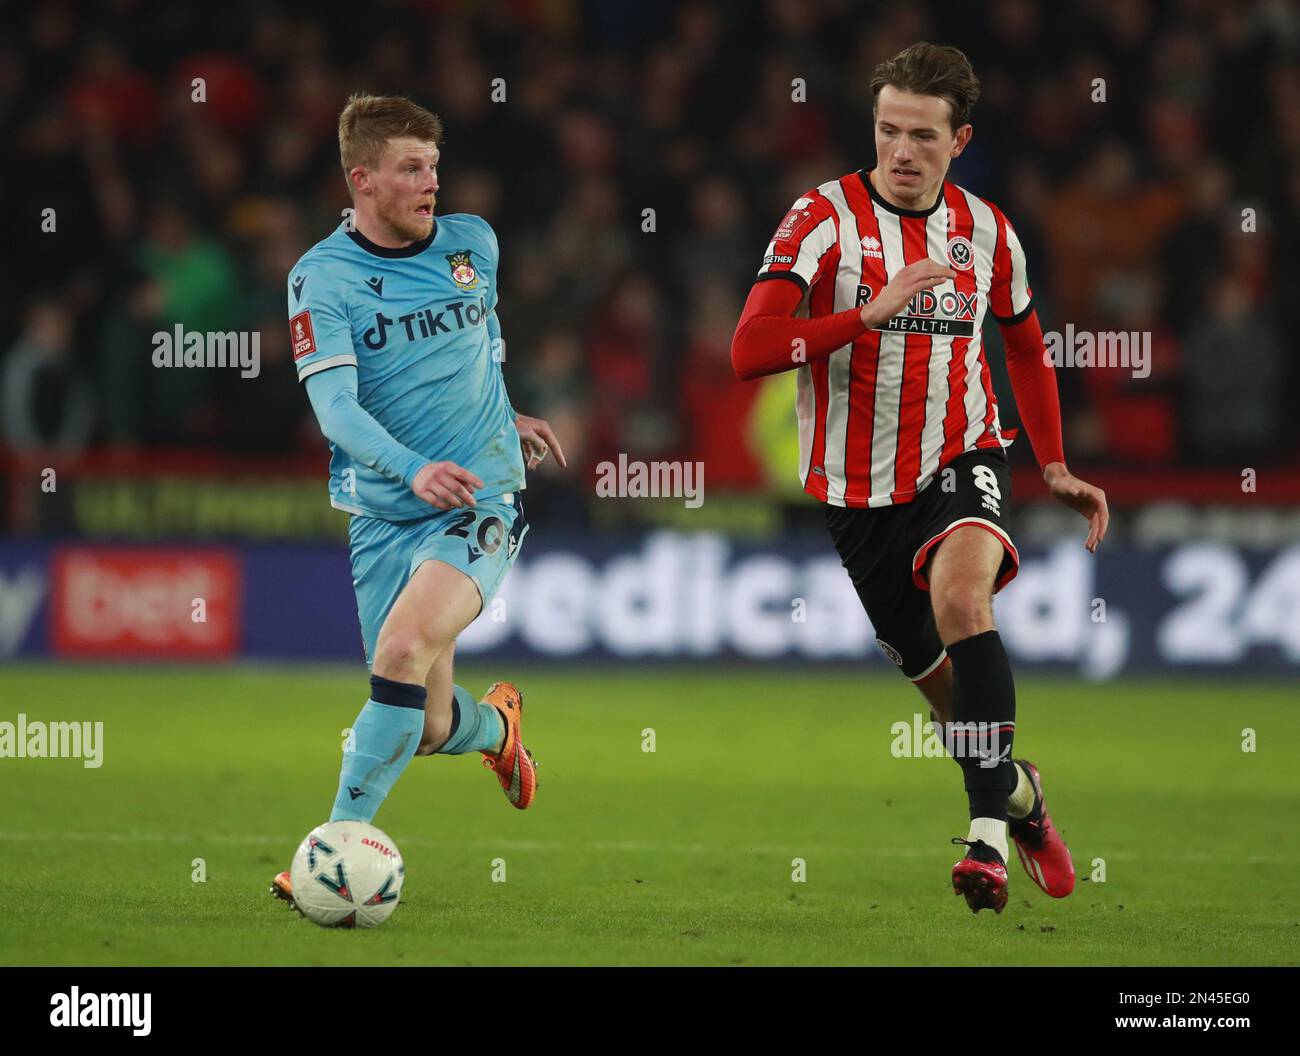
(462, 270)
(961, 255)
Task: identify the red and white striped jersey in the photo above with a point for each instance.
(883, 414)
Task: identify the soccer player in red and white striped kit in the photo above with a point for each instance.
(874, 287)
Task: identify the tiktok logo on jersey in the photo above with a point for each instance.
(948, 314)
(426, 322)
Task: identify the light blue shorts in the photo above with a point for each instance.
(481, 541)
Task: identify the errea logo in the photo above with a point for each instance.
(76, 1009)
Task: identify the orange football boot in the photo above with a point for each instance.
(282, 888)
(515, 767)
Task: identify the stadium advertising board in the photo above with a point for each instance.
(665, 597)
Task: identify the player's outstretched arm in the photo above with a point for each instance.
(333, 395)
(1033, 380)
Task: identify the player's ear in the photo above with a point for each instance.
(359, 179)
(962, 137)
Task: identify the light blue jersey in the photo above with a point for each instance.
(419, 326)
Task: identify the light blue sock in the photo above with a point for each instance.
(476, 726)
(384, 739)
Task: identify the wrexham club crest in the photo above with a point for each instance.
(462, 270)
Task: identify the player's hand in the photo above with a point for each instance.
(537, 438)
(445, 485)
(900, 290)
(1081, 496)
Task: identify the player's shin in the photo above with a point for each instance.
(981, 732)
(384, 737)
(476, 726)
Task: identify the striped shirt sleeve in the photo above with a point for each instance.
(802, 243)
(1010, 297)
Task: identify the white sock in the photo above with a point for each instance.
(992, 832)
(1021, 801)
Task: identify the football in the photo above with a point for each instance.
(347, 874)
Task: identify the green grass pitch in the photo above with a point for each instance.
(678, 856)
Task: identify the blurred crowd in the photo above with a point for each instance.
(1148, 154)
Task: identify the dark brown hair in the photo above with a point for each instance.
(930, 69)
(368, 122)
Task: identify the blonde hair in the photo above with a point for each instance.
(368, 122)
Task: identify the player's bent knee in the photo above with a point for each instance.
(961, 613)
(405, 656)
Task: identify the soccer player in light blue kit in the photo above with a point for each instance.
(396, 339)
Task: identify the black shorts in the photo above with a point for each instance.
(885, 550)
